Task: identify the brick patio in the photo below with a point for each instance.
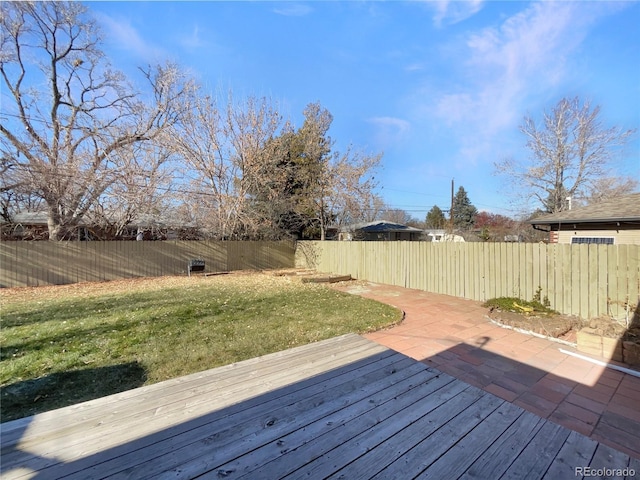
(455, 336)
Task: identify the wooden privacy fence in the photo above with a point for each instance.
(57, 263)
(583, 280)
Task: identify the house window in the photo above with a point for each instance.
(594, 240)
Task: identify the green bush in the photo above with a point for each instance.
(508, 304)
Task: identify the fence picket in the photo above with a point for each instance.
(633, 285)
(568, 269)
(603, 279)
(622, 270)
(561, 262)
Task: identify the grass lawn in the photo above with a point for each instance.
(66, 344)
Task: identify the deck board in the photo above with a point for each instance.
(456, 461)
(539, 453)
(496, 459)
(342, 408)
(578, 450)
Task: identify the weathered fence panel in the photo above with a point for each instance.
(57, 263)
(583, 280)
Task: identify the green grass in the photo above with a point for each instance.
(63, 345)
(507, 304)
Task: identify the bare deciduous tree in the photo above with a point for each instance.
(257, 177)
(223, 150)
(572, 155)
(14, 195)
(66, 113)
(353, 184)
(142, 191)
(610, 187)
(398, 215)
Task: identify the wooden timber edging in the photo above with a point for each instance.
(327, 279)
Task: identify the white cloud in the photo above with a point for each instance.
(193, 39)
(197, 39)
(294, 10)
(450, 12)
(390, 130)
(527, 53)
(391, 122)
(508, 67)
(122, 34)
(414, 67)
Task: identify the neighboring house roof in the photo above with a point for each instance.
(379, 226)
(36, 218)
(158, 221)
(625, 208)
(31, 218)
(40, 218)
(143, 221)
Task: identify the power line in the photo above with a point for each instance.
(442, 196)
(175, 189)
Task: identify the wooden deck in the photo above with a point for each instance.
(345, 408)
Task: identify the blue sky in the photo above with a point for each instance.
(438, 87)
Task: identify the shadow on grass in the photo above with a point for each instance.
(72, 310)
(61, 389)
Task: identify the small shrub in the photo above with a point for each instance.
(537, 298)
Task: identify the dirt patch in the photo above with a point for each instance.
(606, 327)
(564, 327)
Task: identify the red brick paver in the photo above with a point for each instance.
(454, 335)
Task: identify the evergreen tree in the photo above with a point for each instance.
(306, 185)
(464, 213)
(435, 218)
